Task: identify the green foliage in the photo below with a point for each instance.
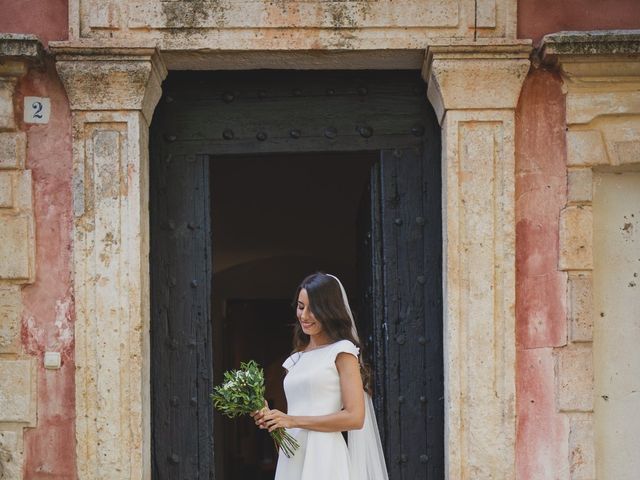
(241, 392)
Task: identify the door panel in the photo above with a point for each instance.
(411, 329)
(180, 325)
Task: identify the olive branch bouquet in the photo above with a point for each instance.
(241, 393)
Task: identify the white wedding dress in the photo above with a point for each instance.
(312, 387)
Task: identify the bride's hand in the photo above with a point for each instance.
(275, 419)
(258, 414)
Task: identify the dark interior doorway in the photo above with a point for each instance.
(236, 163)
(275, 219)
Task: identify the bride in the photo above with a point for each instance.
(325, 393)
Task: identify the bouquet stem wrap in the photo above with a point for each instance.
(241, 393)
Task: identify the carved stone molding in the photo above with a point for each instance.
(478, 75)
(112, 92)
(474, 89)
(244, 25)
(110, 78)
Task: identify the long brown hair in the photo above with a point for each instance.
(327, 305)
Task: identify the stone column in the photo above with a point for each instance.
(112, 93)
(17, 257)
(474, 88)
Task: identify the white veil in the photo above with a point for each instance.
(366, 457)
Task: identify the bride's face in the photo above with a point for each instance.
(309, 323)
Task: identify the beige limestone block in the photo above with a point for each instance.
(111, 78)
(18, 391)
(254, 14)
(10, 310)
(478, 154)
(576, 238)
(485, 14)
(621, 138)
(580, 185)
(23, 192)
(585, 148)
(192, 28)
(480, 294)
(616, 336)
(484, 76)
(110, 188)
(582, 454)
(11, 454)
(105, 15)
(584, 105)
(112, 353)
(7, 120)
(574, 380)
(580, 292)
(6, 189)
(12, 150)
(17, 244)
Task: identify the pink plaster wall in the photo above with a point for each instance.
(48, 19)
(536, 18)
(48, 315)
(541, 179)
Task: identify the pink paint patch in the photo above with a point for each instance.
(542, 443)
(542, 434)
(48, 317)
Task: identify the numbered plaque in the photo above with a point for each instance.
(37, 109)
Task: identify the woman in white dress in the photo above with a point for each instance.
(325, 393)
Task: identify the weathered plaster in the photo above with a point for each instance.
(46, 19)
(48, 315)
(540, 17)
(541, 178)
(602, 77)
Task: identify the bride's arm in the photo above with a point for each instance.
(351, 417)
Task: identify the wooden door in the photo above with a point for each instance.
(400, 276)
(181, 365)
(399, 256)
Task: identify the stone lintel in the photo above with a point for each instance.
(99, 77)
(590, 43)
(595, 60)
(464, 75)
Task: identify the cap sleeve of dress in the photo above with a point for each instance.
(291, 360)
(346, 346)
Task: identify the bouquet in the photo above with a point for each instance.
(242, 392)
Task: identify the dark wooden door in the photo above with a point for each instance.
(399, 254)
(181, 365)
(400, 282)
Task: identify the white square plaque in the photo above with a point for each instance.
(37, 109)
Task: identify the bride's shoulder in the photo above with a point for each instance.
(346, 346)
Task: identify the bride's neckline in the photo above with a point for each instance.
(320, 347)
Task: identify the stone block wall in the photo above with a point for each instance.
(17, 268)
(579, 115)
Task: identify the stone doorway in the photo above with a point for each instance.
(386, 125)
